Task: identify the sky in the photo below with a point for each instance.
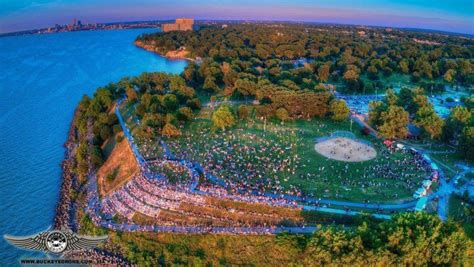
(447, 15)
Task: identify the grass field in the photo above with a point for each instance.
(281, 159)
(256, 153)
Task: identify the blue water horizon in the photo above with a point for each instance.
(42, 79)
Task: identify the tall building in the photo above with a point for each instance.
(181, 24)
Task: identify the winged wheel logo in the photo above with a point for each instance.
(55, 241)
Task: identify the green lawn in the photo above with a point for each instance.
(282, 159)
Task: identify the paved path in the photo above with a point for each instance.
(447, 188)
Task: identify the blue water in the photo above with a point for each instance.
(42, 78)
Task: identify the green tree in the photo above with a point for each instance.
(466, 143)
(170, 130)
(375, 112)
(210, 84)
(404, 66)
(282, 114)
(245, 87)
(339, 110)
(323, 73)
(131, 94)
(184, 114)
(170, 102)
(351, 74)
(429, 121)
(394, 123)
(372, 72)
(243, 112)
(223, 117)
(391, 97)
(449, 75)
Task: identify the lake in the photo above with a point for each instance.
(42, 79)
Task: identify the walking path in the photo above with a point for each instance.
(447, 188)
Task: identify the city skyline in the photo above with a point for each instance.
(455, 16)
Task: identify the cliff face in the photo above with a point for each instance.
(173, 54)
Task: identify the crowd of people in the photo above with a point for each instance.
(150, 197)
(246, 161)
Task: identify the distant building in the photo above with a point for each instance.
(181, 24)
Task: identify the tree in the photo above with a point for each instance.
(210, 84)
(170, 130)
(422, 239)
(131, 94)
(282, 114)
(170, 102)
(243, 112)
(372, 72)
(404, 66)
(184, 114)
(429, 121)
(339, 110)
(223, 118)
(263, 51)
(466, 143)
(405, 99)
(351, 75)
(194, 103)
(391, 97)
(245, 87)
(323, 73)
(461, 115)
(426, 117)
(459, 118)
(394, 123)
(375, 111)
(449, 75)
(97, 158)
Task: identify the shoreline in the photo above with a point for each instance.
(172, 55)
(62, 216)
(66, 209)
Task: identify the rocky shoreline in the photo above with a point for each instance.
(63, 216)
(66, 207)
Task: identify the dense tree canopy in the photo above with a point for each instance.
(329, 53)
(408, 239)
